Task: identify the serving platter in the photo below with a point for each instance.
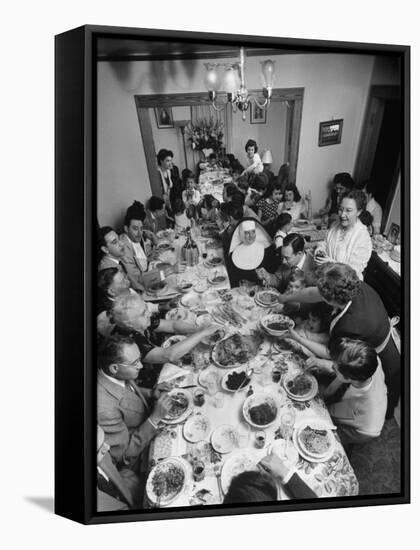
(265, 406)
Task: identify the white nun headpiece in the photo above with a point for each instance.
(248, 256)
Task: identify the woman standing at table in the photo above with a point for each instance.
(253, 159)
(292, 203)
(250, 248)
(348, 240)
(358, 314)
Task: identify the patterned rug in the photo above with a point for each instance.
(377, 464)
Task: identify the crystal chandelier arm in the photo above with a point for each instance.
(261, 105)
(212, 97)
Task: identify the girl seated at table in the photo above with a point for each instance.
(268, 206)
(208, 208)
(258, 188)
(190, 195)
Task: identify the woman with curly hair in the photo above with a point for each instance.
(292, 202)
(253, 159)
(359, 314)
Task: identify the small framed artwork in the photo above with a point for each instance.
(330, 132)
(393, 233)
(257, 115)
(164, 117)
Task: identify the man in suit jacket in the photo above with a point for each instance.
(116, 490)
(136, 247)
(293, 256)
(111, 248)
(156, 215)
(129, 415)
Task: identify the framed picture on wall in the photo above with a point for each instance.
(257, 115)
(164, 117)
(330, 132)
(393, 233)
(163, 426)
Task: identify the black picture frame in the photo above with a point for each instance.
(164, 117)
(75, 267)
(330, 132)
(257, 115)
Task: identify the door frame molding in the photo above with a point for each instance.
(145, 102)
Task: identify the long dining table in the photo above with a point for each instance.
(224, 409)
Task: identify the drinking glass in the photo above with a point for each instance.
(287, 421)
(218, 400)
(260, 438)
(211, 381)
(243, 431)
(198, 468)
(199, 397)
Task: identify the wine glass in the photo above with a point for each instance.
(287, 422)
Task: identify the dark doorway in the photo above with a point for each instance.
(388, 150)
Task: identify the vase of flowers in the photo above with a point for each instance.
(206, 136)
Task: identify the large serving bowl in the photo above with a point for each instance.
(260, 410)
(276, 324)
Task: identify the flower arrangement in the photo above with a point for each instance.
(206, 134)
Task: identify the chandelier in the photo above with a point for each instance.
(233, 83)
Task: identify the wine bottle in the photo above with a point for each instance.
(190, 252)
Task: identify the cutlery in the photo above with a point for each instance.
(187, 387)
(217, 471)
(248, 375)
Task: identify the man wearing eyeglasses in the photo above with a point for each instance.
(128, 414)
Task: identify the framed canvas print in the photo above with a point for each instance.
(258, 115)
(194, 376)
(330, 132)
(164, 117)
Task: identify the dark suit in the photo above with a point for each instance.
(120, 491)
(297, 488)
(284, 272)
(122, 414)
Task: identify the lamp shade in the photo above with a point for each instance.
(267, 157)
(268, 72)
(211, 78)
(230, 81)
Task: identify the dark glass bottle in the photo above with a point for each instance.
(250, 391)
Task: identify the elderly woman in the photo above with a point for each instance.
(292, 203)
(359, 314)
(250, 248)
(348, 240)
(132, 317)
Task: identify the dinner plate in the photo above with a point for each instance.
(180, 314)
(180, 393)
(309, 394)
(261, 298)
(217, 279)
(211, 296)
(160, 476)
(191, 300)
(311, 456)
(224, 382)
(257, 400)
(235, 464)
(224, 439)
(196, 428)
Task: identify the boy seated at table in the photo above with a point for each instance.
(181, 219)
(315, 328)
(263, 485)
(357, 396)
(190, 195)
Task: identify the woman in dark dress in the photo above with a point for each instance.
(359, 314)
(250, 248)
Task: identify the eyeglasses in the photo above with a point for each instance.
(133, 364)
